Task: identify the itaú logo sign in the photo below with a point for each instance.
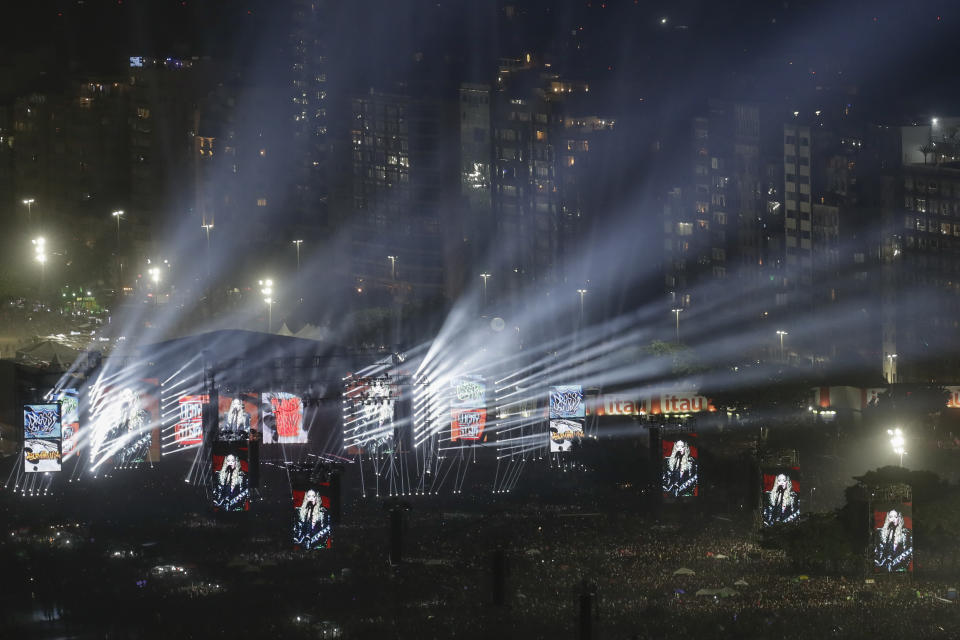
(619, 406)
(680, 403)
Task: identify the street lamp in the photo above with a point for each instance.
(29, 202)
(582, 293)
(781, 333)
(40, 255)
(155, 276)
(897, 441)
(485, 277)
(676, 312)
(393, 267)
(266, 288)
(118, 214)
(298, 243)
(207, 227)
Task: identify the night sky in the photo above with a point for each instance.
(898, 52)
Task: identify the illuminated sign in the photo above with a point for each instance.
(680, 403)
(41, 438)
(618, 406)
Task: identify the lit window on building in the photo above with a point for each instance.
(261, 202)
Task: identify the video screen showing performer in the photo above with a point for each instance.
(893, 538)
(312, 523)
(237, 418)
(781, 502)
(231, 484)
(680, 477)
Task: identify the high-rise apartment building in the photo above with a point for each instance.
(404, 178)
(921, 273)
(528, 176)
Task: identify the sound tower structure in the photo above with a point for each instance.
(396, 509)
(587, 611)
(500, 569)
(655, 494)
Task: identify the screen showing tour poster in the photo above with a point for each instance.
(566, 401)
(41, 438)
(563, 433)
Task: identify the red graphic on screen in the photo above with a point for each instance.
(289, 415)
(189, 429)
(467, 424)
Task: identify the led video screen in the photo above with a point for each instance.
(680, 476)
(238, 417)
(125, 424)
(467, 424)
(893, 537)
(368, 412)
(781, 496)
(281, 417)
(189, 427)
(230, 477)
(41, 438)
(69, 400)
(566, 401)
(563, 433)
(469, 392)
(312, 526)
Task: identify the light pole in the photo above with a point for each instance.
(266, 288)
(118, 214)
(393, 267)
(29, 202)
(297, 243)
(781, 333)
(897, 441)
(155, 276)
(676, 312)
(582, 293)
(207, 227)
(40, 255)
(485, 276)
